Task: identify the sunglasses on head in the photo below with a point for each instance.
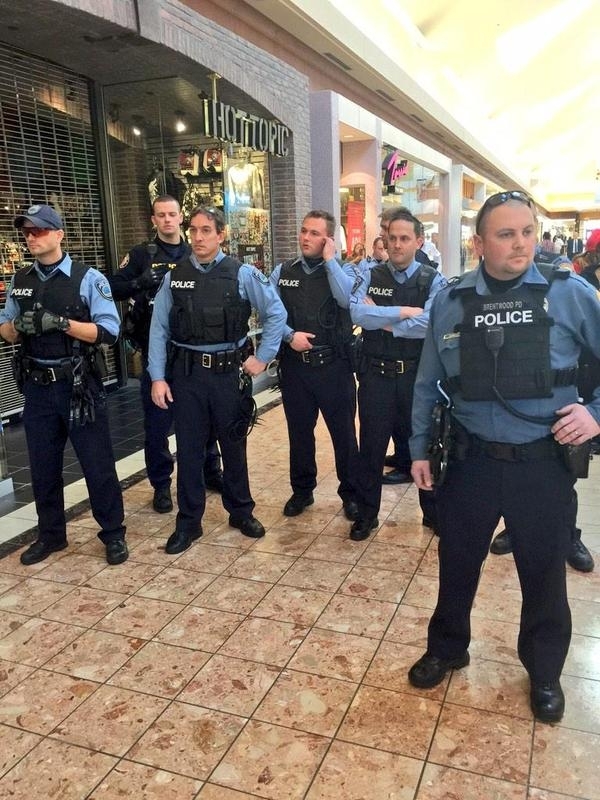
(35, 232)
(498, 199)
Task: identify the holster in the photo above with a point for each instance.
(441, 442)
(18, 370)
(576, 458)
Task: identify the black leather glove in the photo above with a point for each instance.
(39, 321)
(150, 278)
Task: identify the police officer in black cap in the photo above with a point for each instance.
(201, 361)
(138, 279)
(62, 312)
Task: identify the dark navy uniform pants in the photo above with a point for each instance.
(46, 422)
(384, 406)
(157, 427)
(535, 499)
(207, 402)
(330, 389)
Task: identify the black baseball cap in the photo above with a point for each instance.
(40, 216)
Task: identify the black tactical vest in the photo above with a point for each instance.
(60, 294)
(311, 307)
(505, 342)
(207, 307)
(385, 291)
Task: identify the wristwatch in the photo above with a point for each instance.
(288, 339)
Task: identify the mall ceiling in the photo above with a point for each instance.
(522, 79)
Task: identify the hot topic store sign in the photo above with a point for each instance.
(230, 124)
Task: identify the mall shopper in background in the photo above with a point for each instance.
(202, 362)
(138, 279)
(516, 418)
(62, 312)
(391, 305)
(316, 369)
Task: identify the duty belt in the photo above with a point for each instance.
(538, 450)
(43, 374)
(316, 357)
(390, 368)
(219, 361)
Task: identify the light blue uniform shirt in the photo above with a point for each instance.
(341, 281)
(253, 286)
(94, 291)
(574, 307)
(372, 318)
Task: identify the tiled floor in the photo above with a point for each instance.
(277, 668)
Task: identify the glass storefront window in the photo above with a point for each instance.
(352, 218)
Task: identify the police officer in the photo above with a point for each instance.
(316, 371)
(201, 361)
(392, 307)
(505, 340)
(138, 278)
(61, 312)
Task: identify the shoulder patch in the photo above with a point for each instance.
(102, 286)
(125, 261)
(260, 276)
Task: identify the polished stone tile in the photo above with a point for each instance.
(582, 706)
(357, 615)
(43, 700)
(83, 606)
(445, 783)
(491, 686)
(566, 761)
(285, 542)
(159, 669)
(129, 779)
(12, 674)
(11, 563)
(494, 640)
(376, 584)
(265, 640)
(309, 573)
(389, 670)
(307, 702)
(139, 616)
(422, 591)
(255, 565)
(176, 585)
(585, 617)
(382, 555)
(272, 762)
(8, 581)
(503, 751)
(583, 659)
(10, 622)
(409, 626)
(230, 684)
(334, 655)
(32, 596)
(232, 594)
(332, 548)
(187, 740)
(126, 578)
(349, 770)
(111, 720)
(95, 655)
(78, 773)
(36, 641)
(200, 628)
(291, 604)
(394, 721)
(14, 744)
(211, 791)
(72, 568)
(207, 558)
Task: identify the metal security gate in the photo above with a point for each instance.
(47, 155)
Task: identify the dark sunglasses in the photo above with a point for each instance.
(498, 199)
(35, 232)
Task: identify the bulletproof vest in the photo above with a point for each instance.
(505, 341)
(60, 294)
(311, 306)
(207, 307)
(385, 291)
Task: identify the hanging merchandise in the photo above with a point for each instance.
(245, 186)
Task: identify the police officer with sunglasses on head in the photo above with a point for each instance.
(504, 341)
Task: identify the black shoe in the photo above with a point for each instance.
(502, 544)
(40, 550)
(162, 502)
(430, 670)
(179, 541)
(214, 482)
(351, 510)
(547, 701)
(396, 476)
(297, 503)
(362, 528)
(391, 461)
(116, 551)
(249, 526)
(579, 557)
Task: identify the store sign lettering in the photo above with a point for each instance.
(230, 124)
